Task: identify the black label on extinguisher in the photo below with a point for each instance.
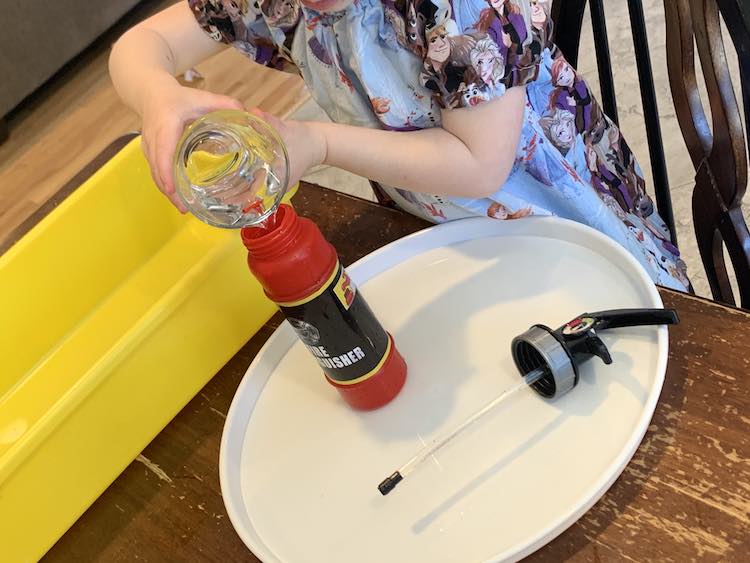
(340, 330)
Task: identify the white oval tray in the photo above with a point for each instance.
(299, 469)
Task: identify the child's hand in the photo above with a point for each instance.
(165, 114)
(305, 144)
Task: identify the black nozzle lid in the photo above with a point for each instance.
(389, 483)
(560, 352)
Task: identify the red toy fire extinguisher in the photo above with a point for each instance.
(300, 271)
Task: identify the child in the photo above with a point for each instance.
(454, 108)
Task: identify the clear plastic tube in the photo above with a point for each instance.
(430, 449)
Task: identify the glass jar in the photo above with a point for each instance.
(231, 169)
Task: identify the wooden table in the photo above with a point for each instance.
(685, 495)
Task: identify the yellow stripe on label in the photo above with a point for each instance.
(370, 373)
(321, 291)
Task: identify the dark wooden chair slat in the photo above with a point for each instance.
(718, 149)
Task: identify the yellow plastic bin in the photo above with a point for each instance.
(115, 311)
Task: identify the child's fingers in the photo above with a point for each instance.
(149, 154)
(269, 118)
(230, 103)
(257, 112)
(166, 143)
(177, 202)
(208, 101)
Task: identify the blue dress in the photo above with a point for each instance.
(396, 65)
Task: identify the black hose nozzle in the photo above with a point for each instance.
(389, 483)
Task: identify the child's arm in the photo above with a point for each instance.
(471, 155)
(143, 64)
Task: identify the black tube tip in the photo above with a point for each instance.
(389, 483)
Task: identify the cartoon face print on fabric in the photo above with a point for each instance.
(487, 61)
(506, 22)
(438, 47)
(560, 129)
(446, 64)
(473, 95)
(497, 210)
(540, 10)
(432, 19)
(216, 19)
(563, 74)
(283, 14)
(540, 22)
(571, 94)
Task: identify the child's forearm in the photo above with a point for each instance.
(148, 56)
(470, 156)
(430, 161)
(140, 63)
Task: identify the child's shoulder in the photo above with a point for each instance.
(256, 28)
